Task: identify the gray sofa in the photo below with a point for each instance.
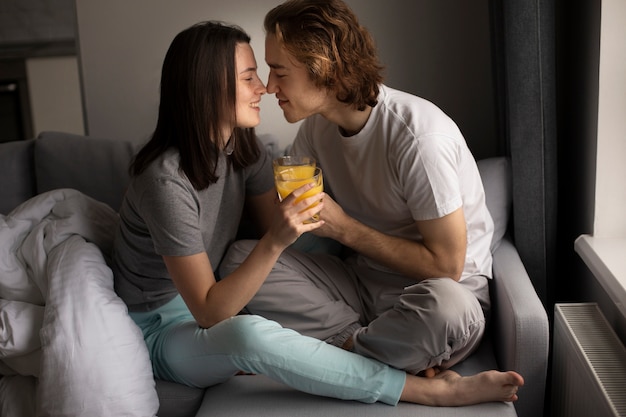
(517, 337)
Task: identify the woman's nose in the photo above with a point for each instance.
(260, 88)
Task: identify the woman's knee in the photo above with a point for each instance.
(251, 333)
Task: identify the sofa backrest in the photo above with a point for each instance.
(97, 167)
(17, 173)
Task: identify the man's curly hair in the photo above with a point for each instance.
(326, 37)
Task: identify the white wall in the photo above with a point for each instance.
(54, 90)
(439, 50)
(610, 207)
(122, 45)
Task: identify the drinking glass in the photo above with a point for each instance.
(291, 179)
(300, 165)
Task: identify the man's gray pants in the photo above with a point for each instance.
(407, 324)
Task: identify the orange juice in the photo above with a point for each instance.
(295, 173)
(292, 178)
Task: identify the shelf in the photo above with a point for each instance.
(606, 259)
(26, 50)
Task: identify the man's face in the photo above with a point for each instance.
(297, 96)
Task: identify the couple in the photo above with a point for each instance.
(381, 324)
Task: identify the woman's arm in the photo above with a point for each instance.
(211, 301)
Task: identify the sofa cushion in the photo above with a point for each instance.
(96, 167)
(496, 176)
(259, 396)
(177, 400)
(17, 181)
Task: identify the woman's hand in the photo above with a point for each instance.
(289, 219)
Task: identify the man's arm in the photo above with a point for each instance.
(440, 254)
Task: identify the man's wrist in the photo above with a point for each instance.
(350, 233)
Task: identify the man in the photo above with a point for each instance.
(404, 196)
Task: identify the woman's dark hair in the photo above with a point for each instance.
(339, 53)
(198, 98)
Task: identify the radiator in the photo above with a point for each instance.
(588, 364)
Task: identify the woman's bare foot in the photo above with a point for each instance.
(448, 388)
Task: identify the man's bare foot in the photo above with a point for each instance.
(448, 388)
(430, 372)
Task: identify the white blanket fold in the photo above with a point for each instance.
(57, 303)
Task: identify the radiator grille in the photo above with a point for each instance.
(589, 364)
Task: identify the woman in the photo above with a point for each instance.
(181, 211)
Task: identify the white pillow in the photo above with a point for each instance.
(496, 176)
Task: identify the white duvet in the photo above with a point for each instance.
(67, 344)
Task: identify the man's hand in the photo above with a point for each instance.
(335, 220)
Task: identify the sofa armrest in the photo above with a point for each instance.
(520, 328)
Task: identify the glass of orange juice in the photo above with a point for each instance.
(292, 178)
(299, 165)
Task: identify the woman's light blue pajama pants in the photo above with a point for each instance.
(185, 353)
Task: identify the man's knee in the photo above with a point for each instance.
(443, 298)
(459, 312)
(445, 304)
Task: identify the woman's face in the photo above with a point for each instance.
(250, 88)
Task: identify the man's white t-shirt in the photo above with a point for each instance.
(409, 162)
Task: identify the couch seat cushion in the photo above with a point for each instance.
(259, 396)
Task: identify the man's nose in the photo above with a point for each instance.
(271, 86)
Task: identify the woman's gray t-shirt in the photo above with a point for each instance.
(162, 214)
